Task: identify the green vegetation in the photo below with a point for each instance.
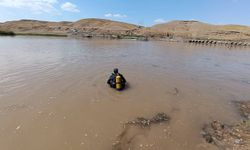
(7, 33)
(135, 37)
(42, 34)
(10, 33)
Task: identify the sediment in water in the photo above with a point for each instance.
(226, 136)
(137, 127)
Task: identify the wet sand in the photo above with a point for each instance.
(53, 92)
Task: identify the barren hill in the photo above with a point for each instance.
(36, 27)
(114, 29)
(83, 28)
(80, 28)
(199, 30)
(103, 24)
(101, 28)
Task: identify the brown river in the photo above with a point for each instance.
(54, 96)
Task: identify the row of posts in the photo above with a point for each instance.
(216, 42)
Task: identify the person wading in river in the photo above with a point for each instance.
(116, 80)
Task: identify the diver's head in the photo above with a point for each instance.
(116, 70)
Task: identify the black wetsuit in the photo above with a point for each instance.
(112, 78)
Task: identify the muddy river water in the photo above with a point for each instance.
(53, 92)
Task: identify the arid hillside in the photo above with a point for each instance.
(199, 30)
(100, 28)
(82, 28)
(36, 27)
(103, 24)
(113, 29)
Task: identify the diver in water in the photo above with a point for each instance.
(116, 80)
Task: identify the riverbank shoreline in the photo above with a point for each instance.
(174, 31)
(233, 136)
(138, 38)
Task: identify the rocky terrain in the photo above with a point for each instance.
(233, 137)
(181, 30)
